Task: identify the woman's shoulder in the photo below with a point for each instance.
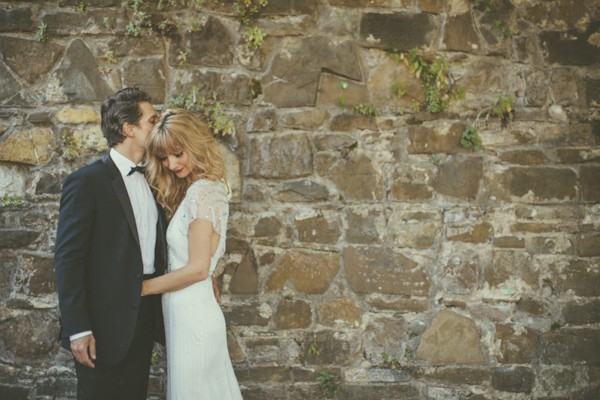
(204, 187)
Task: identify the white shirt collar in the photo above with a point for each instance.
(123, 163)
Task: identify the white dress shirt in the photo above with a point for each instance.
(144, 211)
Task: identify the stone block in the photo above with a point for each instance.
(509, 242)
(365, 225)
(293, 315)
(388, 272)
(340, 313)
(264, 374)
(477, 233)
(90, 139)
(309, 120)
(307, 272)
(570, 48)
(536, 92)
(397, 304)
(528, 51)
(31, 336)
(293, 80)
(403, 391)
(77, 78)
(451, 339)
(14, 392)
(50, 183)
(524, 157)
(229, 88)
(460, 269)
(533, 307)
(267, 227)
(535, 185)
(28, 147)
(251, 314)
(567, 13)
(352, 123)
(414, 229)
(330, 93)
(592, 92)
(577, 156)
(362, 3)
(384, 335)
(334, 141)
(17, 19)
(282, 156)
(67, 23)
(413, 183)
(567, 87)
(460, 34)
(15, 239)
(8, 85)
(212, 46)
(432, 6)
(588, 245)
(149, 75)
(41, 274)
(400, 31)
(322, 228)
(581, 312)
(303, 190)
(577, 275)
(590, 184)
(264, 348)
(460, 177)
(426, 139)
(570, 347)
(459, 375)
(517, 343)
(8, 270)
(335, 347)
(511, 264)
(381, 79)
(245, 277)
(12, 180)
(83, 115)
(235, 351)
(513, 379)
(355, 177)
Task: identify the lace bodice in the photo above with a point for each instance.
(204, 200)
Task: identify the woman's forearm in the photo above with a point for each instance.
(175, 280)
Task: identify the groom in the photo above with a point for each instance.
(110, 237)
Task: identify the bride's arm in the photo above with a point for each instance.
(200, 236)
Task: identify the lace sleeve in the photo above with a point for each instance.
(208, 201)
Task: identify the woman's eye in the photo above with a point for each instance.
(179, 154)
(162, 158)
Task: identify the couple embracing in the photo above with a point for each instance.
(137, 243)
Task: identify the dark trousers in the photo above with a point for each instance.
(128, 379)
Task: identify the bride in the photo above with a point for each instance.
(186, 171)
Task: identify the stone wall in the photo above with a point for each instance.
(476, 272)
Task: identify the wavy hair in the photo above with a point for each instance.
(180, 130)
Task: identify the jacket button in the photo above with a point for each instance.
(139, 276)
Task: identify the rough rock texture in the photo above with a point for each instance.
(363, 241)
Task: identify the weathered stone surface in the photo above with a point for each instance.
(77, 78)
(267, 227)
(282, 156)
(307, 272)
(513, 379)
(536, 184)
(66, 23)
(90, 139)
(528, 51)
(397, 31)
(389, 272)
(570, 346)
(365, 226)
(566, 86)
(479, 233)
(50, 184)
(330, 93)
(267, 348)
(292, 81)
(245, 277)
(397, 304)
(13, 392)
(250, 314)
(41, 274)
(235, 352)
(571, 47)
(432, 140)
(508, 265)
(23, 338)
(29, 58)
(413, 183)
(384, 335)
(355, 177)
(212, 46)
(460, 270)
(335, 347)
(451, 339)
(293, 315)
(318, 228)
(303, 190)
(340, 313)
(577, 275)
(8, 269)
(459, 375)
(551, 245)
(229, 88)
(589, 245)
(383, 76)
(517, 343)
(592, 92)
(564, 136)
(415, 229)
(396, 391)
(262, 122)
(509, 242)
(577, 156)
(362, 3)
(28, 147)
(567, 12)
(460, 177)
(590, 184)
(531, 306)
(351, 123)
(264, 374)
(294, 7)
(578, 312)
(460, 34)
(18, 19)
(333, 141)
(304, 119)
(281, 27)
(524, 157)
(12, 180)
(8, 85)
(149, 75)
(83, 115)
(432, 6)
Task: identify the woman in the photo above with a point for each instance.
(185, 169)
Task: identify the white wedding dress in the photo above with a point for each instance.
(198, 363)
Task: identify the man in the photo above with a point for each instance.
(111, 236)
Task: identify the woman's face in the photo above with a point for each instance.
(179, 163)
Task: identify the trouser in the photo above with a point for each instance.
(128, 379)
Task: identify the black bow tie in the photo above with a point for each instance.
(137, 168)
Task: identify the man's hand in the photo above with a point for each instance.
(84, 350)
(216, 290)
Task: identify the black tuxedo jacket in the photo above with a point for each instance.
(98, 261)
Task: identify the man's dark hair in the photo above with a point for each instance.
(118, 109)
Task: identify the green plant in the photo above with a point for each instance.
(210, 111)
(110, 57)
(398, 89)
(82, 7)
(414, 105)
(434, 159)
(248, 9)
(182, 57)
(254, 38)
(12, 200)
(400, 111)
(470, 138)
(312, 349)
(341, 101)
(256, 88)
(67, 145)
(364, 109)
(492, 14)
(154, 359)
(327, 382)
(389, 362)
(41, 35)
(503, 106)
(106, 22)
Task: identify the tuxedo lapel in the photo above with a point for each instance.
(121, 192)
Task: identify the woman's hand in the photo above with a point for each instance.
(144, 288)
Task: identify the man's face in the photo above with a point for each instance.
(145, 124)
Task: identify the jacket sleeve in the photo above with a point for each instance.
(75, 222)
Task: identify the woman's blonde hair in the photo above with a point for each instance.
(176, 131)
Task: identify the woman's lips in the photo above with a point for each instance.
(178, 171)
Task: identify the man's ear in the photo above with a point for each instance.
(127, 129)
